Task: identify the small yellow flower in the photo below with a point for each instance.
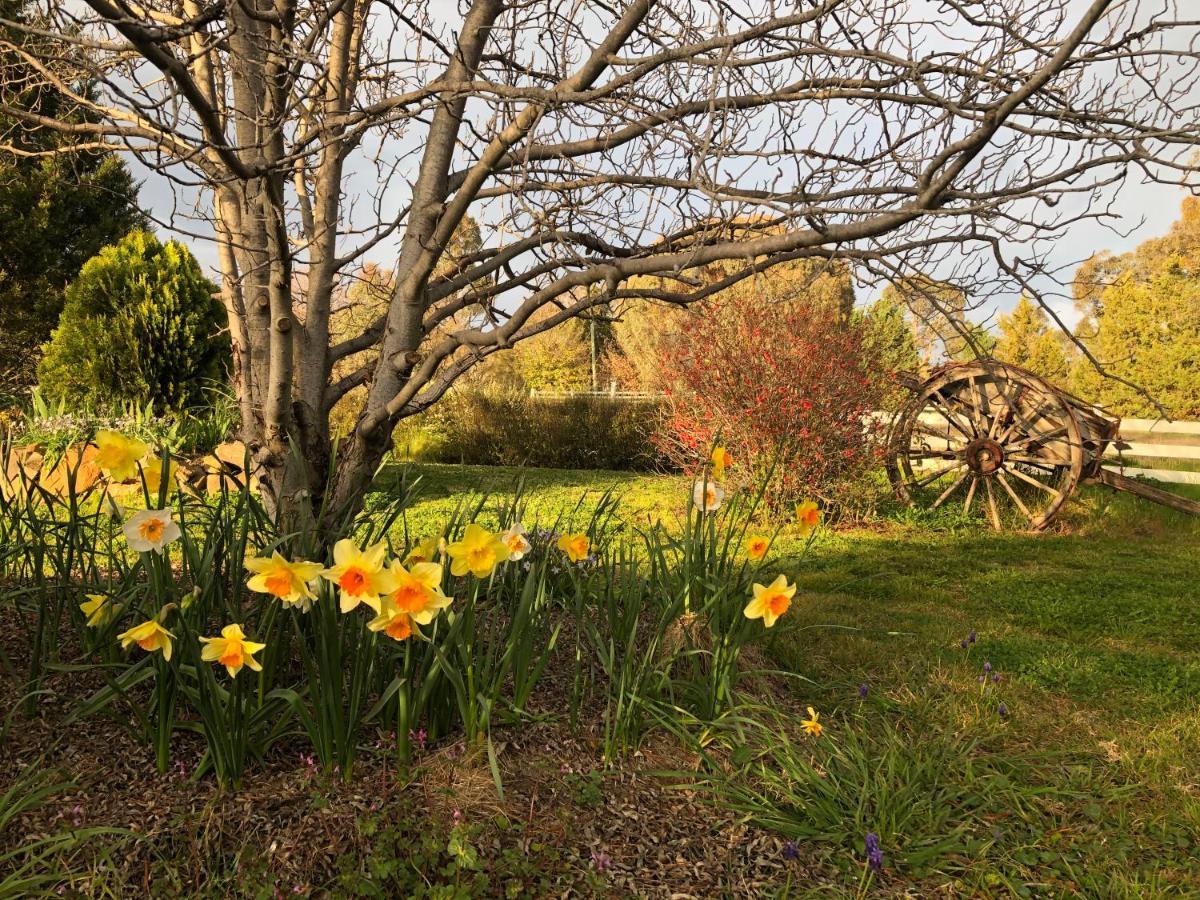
(231, 650)
(150, 530)
(418, 591)
(757, 546)
(150, 636)
(427, 550)
(576, 546)
(479, 552)
(721, 460)
(770, 602)
(707, 496)
(812, 724)
(808, 517)
(290, 582)
(117, 455)
(99, 610)
(516, 541)
(359, 574)
(395, 623)
(152, 471)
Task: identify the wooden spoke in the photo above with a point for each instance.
(929, 479)
(929, 431)
(970, 495)
(1015, 499)
(950, 490)
(982, 407)
(993, 512)
(926, 453)
(945, 414)
(1031, 480)
(1038, 460)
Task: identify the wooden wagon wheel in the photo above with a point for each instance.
(993, 439)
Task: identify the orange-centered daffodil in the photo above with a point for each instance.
(290, 582)
(150, 530)
(150, 636)
(418, 591)
(117, 455)
(359, 574)
(231, 650)
(757, 546)
(576, 546)
(770, 602)
(707, 496)
(427, 550)
(808, 517)
(395, 623)
(479, 552)
(516, 541)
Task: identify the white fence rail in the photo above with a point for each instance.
(1147, 440)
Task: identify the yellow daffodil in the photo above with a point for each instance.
(418, 591)
(721, 460)
(770, 602)
(395, 623)
(479, 552)
(117, 455)
(150, 636)
(290, 582)
(707, 496)
(757, 546)
(516, 541)
(359, 574)
(231, 650)
(812, 724)
(99, 610)
(152, 471)
(808, 517)
(576, 546)
(150, 530)
(427, 550)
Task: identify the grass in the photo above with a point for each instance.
(1092, 629)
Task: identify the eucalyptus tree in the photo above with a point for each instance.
(609, 150)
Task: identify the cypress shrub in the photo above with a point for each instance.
(139, 325)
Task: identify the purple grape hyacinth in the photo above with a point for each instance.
(874, 852)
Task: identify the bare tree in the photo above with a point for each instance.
(594, 141)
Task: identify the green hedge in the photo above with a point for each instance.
(511, 429)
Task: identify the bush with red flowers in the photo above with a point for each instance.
(783, 383)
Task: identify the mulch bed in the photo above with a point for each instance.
(622, 831)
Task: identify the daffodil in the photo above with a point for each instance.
(516, 541)
(721, 460)
(359, 574)
(231, 650)
(118, 455)
(150, 530)
(427, 550)
(757, 546)
(395, 623)
(150, 636)
(707, 496)
(770, 602)
(576, 546)
(812, 724)
(290, 582)
(808, 517)
(152, 471)
(99, 610)
(418, 591)
(479, 552)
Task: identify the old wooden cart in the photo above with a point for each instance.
(996, 439)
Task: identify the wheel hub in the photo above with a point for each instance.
(983, 456)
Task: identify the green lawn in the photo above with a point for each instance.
(1092, 629)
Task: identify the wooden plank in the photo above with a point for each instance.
(1159, 426)
(1171, 476)
(1144, 489)
(1162, 451)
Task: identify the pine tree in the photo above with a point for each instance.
(1027, 339)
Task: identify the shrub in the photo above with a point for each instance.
(140, 325)
(510, 428)
(784, 384)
